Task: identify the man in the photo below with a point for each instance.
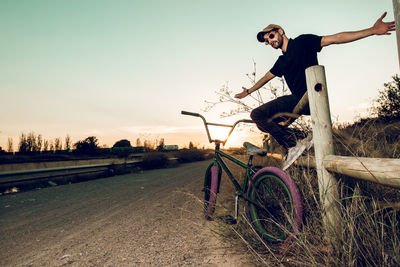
(298, 54)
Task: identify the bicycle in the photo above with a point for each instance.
(273, 202)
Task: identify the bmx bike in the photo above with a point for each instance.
(273, 202)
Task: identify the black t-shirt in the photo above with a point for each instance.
(300, 54)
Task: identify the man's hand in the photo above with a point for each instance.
(242, 94)
(381, 27)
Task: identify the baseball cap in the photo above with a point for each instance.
(270, 27)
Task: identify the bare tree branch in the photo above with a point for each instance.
(226, 96)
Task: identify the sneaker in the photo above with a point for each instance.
(294, 153)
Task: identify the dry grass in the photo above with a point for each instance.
(368, 138)
(370, 213)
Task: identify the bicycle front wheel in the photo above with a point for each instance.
(211, 186)
(274, 205)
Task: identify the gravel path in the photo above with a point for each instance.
(152, 218)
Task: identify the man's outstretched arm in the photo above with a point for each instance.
(266, 78)
(379, 28)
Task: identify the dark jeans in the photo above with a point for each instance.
(285, 136)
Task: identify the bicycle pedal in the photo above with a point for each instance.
(228, 219)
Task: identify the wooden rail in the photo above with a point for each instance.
(384, 171)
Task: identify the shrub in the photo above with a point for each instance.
(122, 143)
(154, 161)
(389, 101)
(89, 146)
(191, 155)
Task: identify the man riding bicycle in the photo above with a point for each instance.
(297, 55)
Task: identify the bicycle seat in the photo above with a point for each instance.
(253, 150)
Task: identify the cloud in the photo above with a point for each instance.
(360, 110)
(93, 132)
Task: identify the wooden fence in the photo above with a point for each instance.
(379, 170)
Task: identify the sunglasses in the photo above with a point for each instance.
(270, 36)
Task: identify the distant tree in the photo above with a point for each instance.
(31, 142)
(87, 146)
(160, 146)
(191, 146)
(148, 145)
(138, 142)
(122, 143)
(388, 101)
(23, 144)
(57, 144)
(51, 146)
(10, 145)
(39, 142)
(45, 145)
(67, 143)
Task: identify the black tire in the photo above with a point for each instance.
(274, 207)
(211, 187)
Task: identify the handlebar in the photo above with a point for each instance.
(190, 113)
(215, 124)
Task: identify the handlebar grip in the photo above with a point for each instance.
(190, 113)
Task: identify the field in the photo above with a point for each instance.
(370, 213)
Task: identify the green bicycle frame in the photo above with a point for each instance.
(219, 155)
(218, 158)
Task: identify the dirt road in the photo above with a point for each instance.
(152, 218)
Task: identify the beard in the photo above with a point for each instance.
(278, 43)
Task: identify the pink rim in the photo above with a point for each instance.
(297, 204)
(213, 192)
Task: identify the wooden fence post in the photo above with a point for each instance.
(323, 146)
(396, 12)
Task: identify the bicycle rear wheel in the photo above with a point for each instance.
(211, 186)
(274, 207)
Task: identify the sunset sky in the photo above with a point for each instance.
(125, 69)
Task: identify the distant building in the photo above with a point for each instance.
(170, 147)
